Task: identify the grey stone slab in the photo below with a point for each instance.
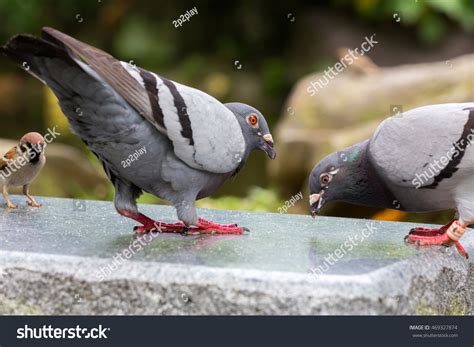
(62, 259)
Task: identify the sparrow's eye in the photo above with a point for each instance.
(252, 119)
(325, 178)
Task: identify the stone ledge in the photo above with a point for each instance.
(222, 275)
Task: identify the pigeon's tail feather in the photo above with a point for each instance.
(75, 89)
(49, 61)
(22, 47)
(30, 53)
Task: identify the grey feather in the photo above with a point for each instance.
(409, 144)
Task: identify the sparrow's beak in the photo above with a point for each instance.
(268, 146)
(316, 202)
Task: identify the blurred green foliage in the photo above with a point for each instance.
(430, 18)
(258, 199)
(203, 54)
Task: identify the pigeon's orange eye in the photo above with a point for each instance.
(252, 119)
(325, 178)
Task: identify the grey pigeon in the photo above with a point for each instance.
(418, 161)
(151, 134)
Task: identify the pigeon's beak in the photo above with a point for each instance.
(268, 146)
(316, 202)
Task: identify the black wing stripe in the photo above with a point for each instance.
(461, 144)
(150, 85)
(182, 110)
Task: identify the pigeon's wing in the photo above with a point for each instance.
(424, 146)
(205, 134)
(7, 158)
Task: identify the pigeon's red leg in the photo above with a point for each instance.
(430, 231)
(449, 237)
(150, 224)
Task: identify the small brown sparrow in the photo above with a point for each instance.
(20, 166)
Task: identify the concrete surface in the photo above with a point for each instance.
(63, 259)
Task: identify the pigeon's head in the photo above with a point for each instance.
(336, 178)
(254, 127)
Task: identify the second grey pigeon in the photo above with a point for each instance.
(418, 161)
(151, 134)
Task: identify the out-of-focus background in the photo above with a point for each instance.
(265, 54)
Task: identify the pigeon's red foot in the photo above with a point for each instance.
(209, 227)
(447, 236)
(160, 227)
(429, 231)
(203, 226)
(203, 221)
(150, 224)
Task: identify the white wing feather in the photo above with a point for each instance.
(219, 143)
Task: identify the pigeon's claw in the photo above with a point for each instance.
(221, 230)
(202, 226)
(426, 231)
(203, 221)
(160, 227)
(461, 250)
(430, 231)
(447, 235)
(441, 239)
(150, 225)
(208, 227)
